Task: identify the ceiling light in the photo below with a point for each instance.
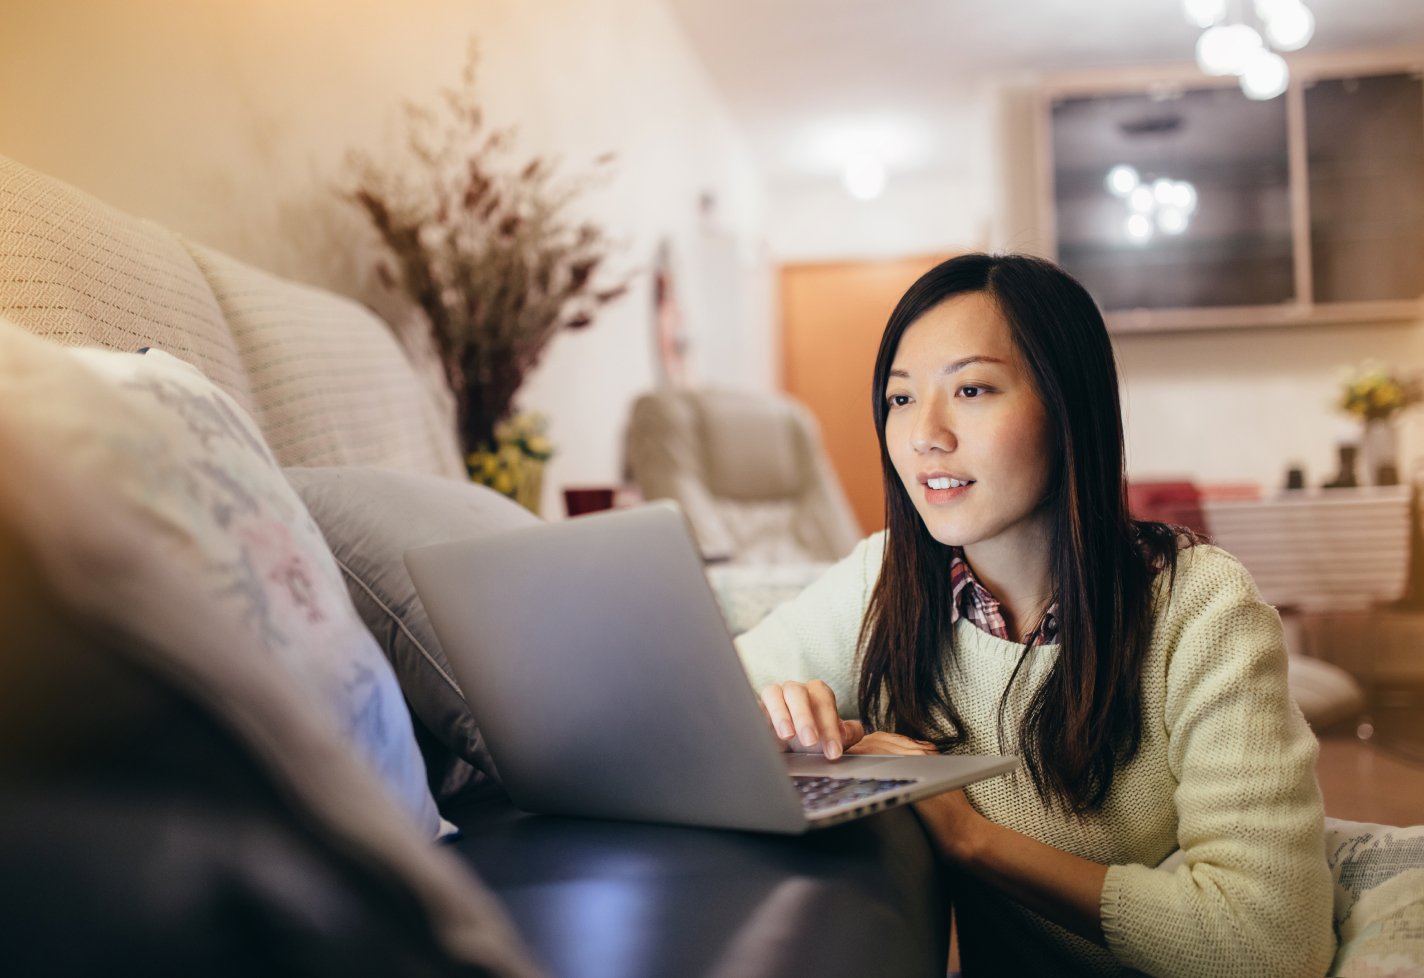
(1291, 27)
(1142, 201)
(1122, 180)
(1171, 220)
(1184, 197)
(864, 177)
(1266, 76)
(1204, 13)
(1227, 49)
(1139, 229)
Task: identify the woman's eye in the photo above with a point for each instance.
(898, 400)
(970, 390)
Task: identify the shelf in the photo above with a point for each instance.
(1399, 312)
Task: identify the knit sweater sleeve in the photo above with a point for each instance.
(815, 635)
(1252, 893)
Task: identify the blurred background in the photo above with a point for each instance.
(783, 168)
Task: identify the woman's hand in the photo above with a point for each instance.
(883, 742)
(805, 717)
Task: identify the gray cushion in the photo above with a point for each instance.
(370, 518)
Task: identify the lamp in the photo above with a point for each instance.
(1230, 46)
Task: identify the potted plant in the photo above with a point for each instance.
(486, 248)
(1377, 396)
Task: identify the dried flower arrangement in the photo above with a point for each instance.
(485, 248)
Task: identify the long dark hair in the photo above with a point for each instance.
(1086, 718)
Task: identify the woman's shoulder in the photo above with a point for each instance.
(1201, 566)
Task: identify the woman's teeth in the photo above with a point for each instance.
(947, 483)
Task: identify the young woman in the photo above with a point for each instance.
(1165, 818)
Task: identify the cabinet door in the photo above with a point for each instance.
(1365, 147)
(1225, 242)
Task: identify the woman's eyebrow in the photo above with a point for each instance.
(951, 368)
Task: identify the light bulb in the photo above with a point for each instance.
(1171, 220)
(864, 177)
(1226, 50)
(1122, 180)
(1139, 229)
(1265, 77)
(1184, 197)
(1141, 200)
(1204, 13)
(1162, 190)
(1290, 28)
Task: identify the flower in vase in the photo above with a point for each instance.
(1372, 393)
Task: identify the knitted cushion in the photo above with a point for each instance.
(331, 384)
(75, 269)
(155, 492)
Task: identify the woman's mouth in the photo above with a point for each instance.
(943, 489)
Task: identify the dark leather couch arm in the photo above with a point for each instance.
(598, 899)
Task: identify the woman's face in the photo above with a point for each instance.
(966, 431)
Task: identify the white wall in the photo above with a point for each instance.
(230, 122)
(1222, 407)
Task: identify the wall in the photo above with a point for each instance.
(1227, 406)
(1223, 407)
(230, 122)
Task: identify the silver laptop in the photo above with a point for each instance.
(597, 663)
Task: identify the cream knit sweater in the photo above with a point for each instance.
(1225, 774)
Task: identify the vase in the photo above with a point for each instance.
(529, 484)
(1379, 451)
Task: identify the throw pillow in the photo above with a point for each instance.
(370, 518)
(1379, 898)
(156, 491)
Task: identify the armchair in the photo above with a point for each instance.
(748, 469)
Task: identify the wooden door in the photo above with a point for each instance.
(832, 315)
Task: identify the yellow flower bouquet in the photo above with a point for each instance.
(1371, 393)
(514, 466)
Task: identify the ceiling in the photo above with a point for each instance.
(808, 80)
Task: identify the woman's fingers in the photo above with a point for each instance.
(805, 713)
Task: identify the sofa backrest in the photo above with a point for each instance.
(324, 377)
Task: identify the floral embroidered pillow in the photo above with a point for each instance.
(159, 493)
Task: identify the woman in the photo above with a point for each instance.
(1012, 606)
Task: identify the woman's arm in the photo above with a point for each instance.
(815, 635)
(1057, 885)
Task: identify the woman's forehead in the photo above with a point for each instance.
(963, 326)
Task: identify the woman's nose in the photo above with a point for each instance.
(932, 431)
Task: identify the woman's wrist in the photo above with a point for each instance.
(957, 830)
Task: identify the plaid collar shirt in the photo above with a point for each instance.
(972, 600)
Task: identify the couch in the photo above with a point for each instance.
(224, 730)
(173, 799)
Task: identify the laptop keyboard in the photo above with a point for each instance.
(819, 792)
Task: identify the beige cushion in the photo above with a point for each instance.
(84, 274)
(156, 493)
(1325, 693)
(1379, 898)
(749, 471)
(331, 384)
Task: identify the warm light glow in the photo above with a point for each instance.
(864, 177)
(1228, 49)
(1184, 197)
(1122, 180)
(1139, 229)
(1204, 13)
(1266, 76)
(1291, 27)
(1171, 220)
